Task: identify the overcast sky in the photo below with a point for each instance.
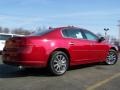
(94, 15)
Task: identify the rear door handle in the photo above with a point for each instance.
(71, 43)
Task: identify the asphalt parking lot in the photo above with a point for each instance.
(83, 77)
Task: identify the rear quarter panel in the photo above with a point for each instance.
(43, 46)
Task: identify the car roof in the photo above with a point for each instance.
(69, 27)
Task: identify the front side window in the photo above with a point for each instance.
(90, 36)
(72, 33)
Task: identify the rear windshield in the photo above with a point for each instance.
(42, 32)
(5, 37)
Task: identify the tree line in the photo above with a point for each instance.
(20, 31)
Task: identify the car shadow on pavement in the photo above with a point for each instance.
(7, 71)
(82, 66)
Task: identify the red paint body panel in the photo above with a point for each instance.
(34, 51)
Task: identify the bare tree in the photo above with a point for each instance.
(6, 30)
(1, 30)
(21, 31)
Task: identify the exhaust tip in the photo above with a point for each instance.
(20, 67)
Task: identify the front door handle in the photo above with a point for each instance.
(91, 44)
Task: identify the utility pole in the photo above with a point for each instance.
(119, 32)
(106, 30)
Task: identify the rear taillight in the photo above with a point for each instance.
(13, 43)
(25, 42)
(10, 43)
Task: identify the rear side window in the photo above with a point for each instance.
(72, 33)
(42, 32)
(5, 37)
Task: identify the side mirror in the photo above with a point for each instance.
(101, 39)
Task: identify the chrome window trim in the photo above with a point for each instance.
(76, 38)
(69, 37)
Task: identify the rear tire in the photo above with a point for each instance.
(58, 63)
(112, 57)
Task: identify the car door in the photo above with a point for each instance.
(97, 50)
(79, 47)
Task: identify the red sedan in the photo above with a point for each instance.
(57, 49)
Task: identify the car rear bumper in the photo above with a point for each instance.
(25, 59)
(31, 64)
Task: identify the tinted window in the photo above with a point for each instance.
(72, 33)
(42, 32)
(90, 36)
(5, 37)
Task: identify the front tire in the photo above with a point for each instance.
(59, 63)
(112, 57)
